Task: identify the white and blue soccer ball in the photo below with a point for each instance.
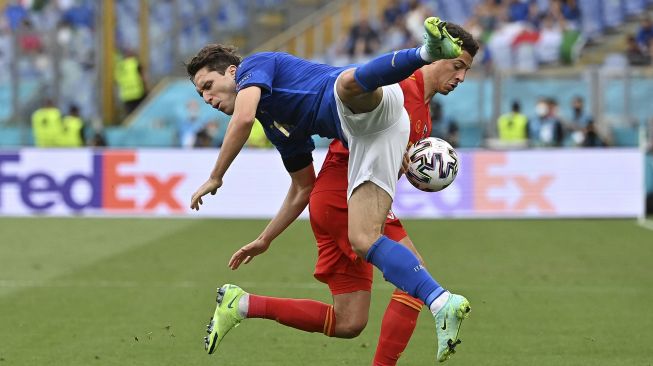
(433, 164)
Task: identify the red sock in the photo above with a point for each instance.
(303, 314)
(398, 325)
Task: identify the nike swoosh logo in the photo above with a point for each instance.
(231, 304)
(444, 327)
(393, 58)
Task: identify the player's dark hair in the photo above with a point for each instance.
(215, 57)
(469, 43)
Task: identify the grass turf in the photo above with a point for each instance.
(82, 291)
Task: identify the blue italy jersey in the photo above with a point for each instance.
(297, 99)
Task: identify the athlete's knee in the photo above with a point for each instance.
(350, 327)
(361, 241)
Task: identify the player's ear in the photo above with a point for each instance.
(232, 70)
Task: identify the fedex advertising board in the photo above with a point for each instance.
(534, 183)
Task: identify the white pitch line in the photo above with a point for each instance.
(646, 224)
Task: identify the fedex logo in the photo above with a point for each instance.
(106, 184)
(485, 185)
(530, 190)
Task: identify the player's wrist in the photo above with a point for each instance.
(216, 177)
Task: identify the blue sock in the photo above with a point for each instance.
(402, 268)
(388, 69)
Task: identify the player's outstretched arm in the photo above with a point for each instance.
(237, 133)
(302, 182)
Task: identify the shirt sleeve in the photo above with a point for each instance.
(297, 162)
(257, 70)
(289, 149)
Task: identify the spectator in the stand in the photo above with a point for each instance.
(397, 37)
(453, 134)
(591, 137)
(364, 41)
(534, 123)
(550, 130)
(210, 135)
(415, 18)
(488, 13)
(571, 13)
(46, 125)
(535, 14)
(30, 40)
(189, 124)
(475, 28)
(513, 126)
(443, 127)
(72, 134)
(98, 140)
(15, 12)
(524, 50)
(645, 33)
(634, 53)
(394, 11)
(518, 10)
(549, 42)
(579, 120)
(131, 81)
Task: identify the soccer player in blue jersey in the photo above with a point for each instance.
(361, 106)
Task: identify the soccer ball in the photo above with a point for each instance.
(433, 164)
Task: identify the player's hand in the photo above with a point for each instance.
(210, 186)
(404, 165)
(245, 254)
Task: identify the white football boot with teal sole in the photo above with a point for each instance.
(447, 322)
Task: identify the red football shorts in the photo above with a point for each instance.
(337, 264)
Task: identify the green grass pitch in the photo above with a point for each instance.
(82, 291)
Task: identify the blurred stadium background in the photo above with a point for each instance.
(98, 120)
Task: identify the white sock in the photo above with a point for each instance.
(425, 55)
(243, 305)
(439, 302)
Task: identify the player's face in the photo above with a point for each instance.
(450, 73)
(217, 90)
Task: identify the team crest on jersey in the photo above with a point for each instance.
(421, 129)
